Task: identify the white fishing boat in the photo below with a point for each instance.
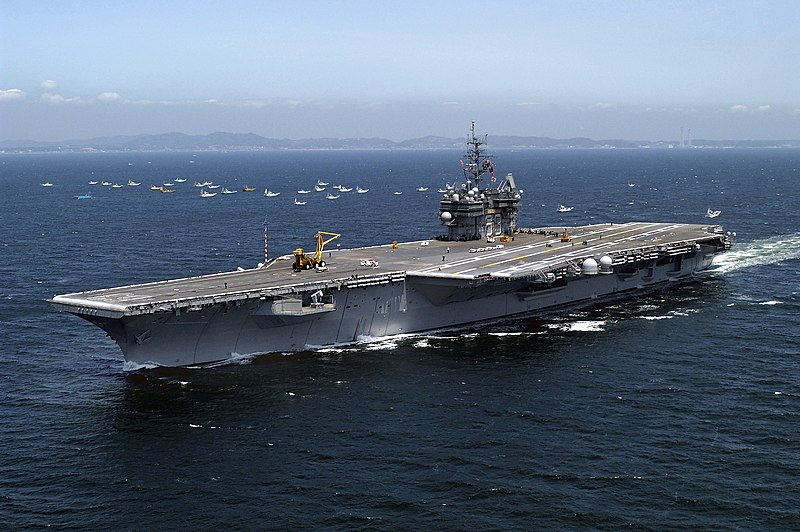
(47, 184)
(422, 189)
(268, 193)
(564, 208)
(441, 190)
(209, 185)
(106, 183)
(296, 202)
(321, 183)
(116, 185)
(397, 193)
(303, 191)
(133, 183)
(226, 191)
(207, 194)
(92, 182)
(319, 188)
(712, 214)
(332, 196)
(360, 190)
(155, 187)
(169, 184)
(180, 180)
(345, 189)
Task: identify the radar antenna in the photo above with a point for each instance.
(477, 162)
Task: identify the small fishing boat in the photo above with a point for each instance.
(207, 194)
(248, 189)
(84, 196)
(345, 189)
(116, 185)
(167, 190)
(303, 191)
(564, 208)
(319, 188)
(299, 202)
(712, 214)
(209, 185)
(133, 183)
(105, 183)
(422, 189)
(268, 193)
(180, 180)
(331, 196)
(397, 193)
(226, 191)
(92, 182)
(360, 190)
(321, 183)
(169, 184)
(47, 184)
(155, 187)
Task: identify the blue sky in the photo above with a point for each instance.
(602, 69)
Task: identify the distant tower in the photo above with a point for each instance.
(686, 139)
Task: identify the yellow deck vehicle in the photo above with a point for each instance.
(307, 262)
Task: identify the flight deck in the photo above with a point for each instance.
(529, 253)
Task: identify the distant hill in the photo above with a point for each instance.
(221, 141)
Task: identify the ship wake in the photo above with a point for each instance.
(763, 252)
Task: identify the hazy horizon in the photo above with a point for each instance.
(400, 70)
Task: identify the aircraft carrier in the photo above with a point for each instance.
(483, 267)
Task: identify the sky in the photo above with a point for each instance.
(637, 69)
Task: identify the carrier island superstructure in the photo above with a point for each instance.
(483, 267)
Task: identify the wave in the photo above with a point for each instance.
(758, 253)
(134, 366)
(579, 326)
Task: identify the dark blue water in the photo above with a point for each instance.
(671, 410)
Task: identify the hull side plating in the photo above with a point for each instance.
(414, 305)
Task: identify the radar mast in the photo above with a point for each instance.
(478, 162)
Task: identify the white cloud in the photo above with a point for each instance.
(109, 97)
(257, 103)
(603, 105)
(48, 85)
(11, 94)
(56, 99)
(764, 108)
(738, 108)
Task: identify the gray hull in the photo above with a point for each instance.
(384, 307)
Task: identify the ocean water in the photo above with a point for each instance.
(671, 410)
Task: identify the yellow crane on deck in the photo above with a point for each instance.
(306, 262)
